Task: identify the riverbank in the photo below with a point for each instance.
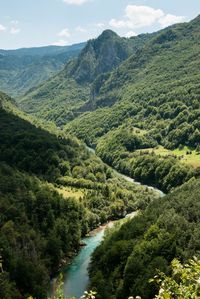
(77, 268)
(76, 277)
(127, 178)
(75, 273)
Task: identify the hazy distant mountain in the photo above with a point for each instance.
(137, 102)
(23, 69)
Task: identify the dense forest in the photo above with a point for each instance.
(53, 191)
(63, 160)
(183, 282)
(136, 153)
(152, 89)
(38, 228)
(24, 69)
(123, 264)
(66, 95)
(141, 99)
(136, 102)
(149, 101)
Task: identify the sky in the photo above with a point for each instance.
(33, 23)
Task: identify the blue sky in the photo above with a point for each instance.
(28, 23)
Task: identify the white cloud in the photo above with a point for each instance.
(100, 25)
(80, 29)
(15, 30)
(14, 22)
(61, 42)
(2, 28)
(169, 19)
(142, 16)
(139, 16)
(118, 23)
(14, 27)
(64, 33)
(76, 2)
(130, 34)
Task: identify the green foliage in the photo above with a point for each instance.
(62, 159)
(169, 228)
(36, 229)
(23, 69)
(59, 99)
(68, 94)
(156, 90)
(120, 148)
(182, 284)
(59, 292)
(59, 289)
(35, 150)
(39, 228)
(150, 99)
(101, 55)
(8, 289)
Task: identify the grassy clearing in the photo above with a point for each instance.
(138, 131)
(71, 192)
(185, 155)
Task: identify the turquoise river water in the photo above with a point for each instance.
(76, 277)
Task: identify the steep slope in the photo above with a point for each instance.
(157, 83)
(69, 93)
(100, 56)
(38, 228)
(62, 159)
(23, 69)
(123, 264)
(52, 192)
(156, 92)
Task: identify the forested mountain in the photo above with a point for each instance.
(137, 102)
(101, 55)
(68, 94)
(128, 257)
(23, 69)
(148, 107)
(52, 192)
(144, 112)
(156, 87)
(42, 51)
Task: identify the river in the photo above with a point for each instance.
(127, 178)
(76, 277)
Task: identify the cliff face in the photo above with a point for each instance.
(100, 55)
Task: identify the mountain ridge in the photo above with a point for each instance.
(147, 110)
(40, 50)
(142, 116)
(23, 69)
(91, 66)
(146, 70)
